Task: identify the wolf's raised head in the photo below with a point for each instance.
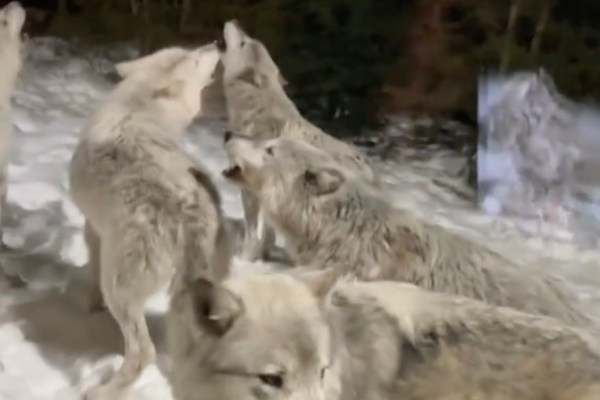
(261, 337)
(282, 166)
(247, 59)
(172, 76)
(12, 18)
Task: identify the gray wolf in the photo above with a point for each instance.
(258, 107)
(12, 18)
(151, 211)
(536, 145)
(280, 336)
(330, 217)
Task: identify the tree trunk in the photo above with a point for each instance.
(62, 7)
(186, 8)
(134, 7)
(508, 35)
(145, 10)
(540, 28)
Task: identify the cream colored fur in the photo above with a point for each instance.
(151, 211)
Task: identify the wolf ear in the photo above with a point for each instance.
(319, 282)
(323, 181)
(215, 307)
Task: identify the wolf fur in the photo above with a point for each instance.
(536, 146)
(276, 336)
(258, 107)
(151, 211)
(330, 217)
(12, 18)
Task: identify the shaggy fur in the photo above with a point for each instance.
(258, 107)
(151, 212)
(278, 337)
(330, 217)
(12, 18)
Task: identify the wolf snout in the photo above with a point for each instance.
(221, 44)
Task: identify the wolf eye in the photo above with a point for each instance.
(269, 150)
(273, 380)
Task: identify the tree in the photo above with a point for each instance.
(508, 35)
(546, 9)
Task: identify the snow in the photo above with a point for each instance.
(50, 348)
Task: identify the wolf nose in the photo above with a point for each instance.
(221, 44)
(228, 136)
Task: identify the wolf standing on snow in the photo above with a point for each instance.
(276, 336)
(12, 18)
(258, 107)
(330, 217)
(151, 212)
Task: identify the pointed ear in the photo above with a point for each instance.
(251, 76)
(319, 282)
(322, 181)
(215, 307)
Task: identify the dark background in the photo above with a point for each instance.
(351, 62)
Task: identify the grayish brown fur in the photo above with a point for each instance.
(276, 337)
(12, 18)
(258, 107)
(151, 211)
(329, 217)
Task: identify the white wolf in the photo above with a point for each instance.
(150, 210)
(275, 336)
(329, 217)
(12, 18)
(258, 107)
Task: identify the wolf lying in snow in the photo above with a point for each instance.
(330, 217)
(150, 210)
(258, 107)
(12, 18)
(275, 336)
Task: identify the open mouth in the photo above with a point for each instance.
(221, 44)
(234, 172)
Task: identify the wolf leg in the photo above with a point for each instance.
(253, 248)
(131, 270)
(92, 240)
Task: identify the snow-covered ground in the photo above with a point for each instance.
(49, 344)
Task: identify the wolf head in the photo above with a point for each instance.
(12, 18)
(173, 77)
(263, 337)
(246, 59)
(281, 168)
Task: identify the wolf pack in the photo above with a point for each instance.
(379, 304)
